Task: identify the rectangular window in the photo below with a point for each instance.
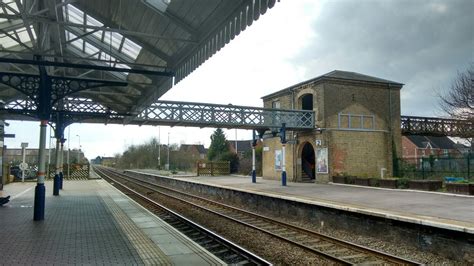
(343, 121)
(356, 121)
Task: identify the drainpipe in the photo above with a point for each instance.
(390, 128)
(293, 151)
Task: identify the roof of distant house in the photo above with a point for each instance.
(435, 142)
(242, 145)
(199, 147)
(339, 75)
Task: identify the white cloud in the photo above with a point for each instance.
(298, 40)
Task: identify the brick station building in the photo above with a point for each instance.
(357, 128)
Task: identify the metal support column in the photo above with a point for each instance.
(56, 173)
(283, 154)
(40, 190)
(254, 143)
(61, 163)
(44, 114)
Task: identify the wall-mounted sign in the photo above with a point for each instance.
(322, 160)
(318, 142)
(266, 148)
(278, 160)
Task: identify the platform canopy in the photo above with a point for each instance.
(140, 48)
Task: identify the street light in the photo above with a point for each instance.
(159, 149)
(79, 152)
(167, 166)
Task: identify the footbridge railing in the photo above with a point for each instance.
(232, 116)
(433, 126)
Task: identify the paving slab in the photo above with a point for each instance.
(90, 223)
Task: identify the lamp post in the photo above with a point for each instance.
(79, 152)
(68, 149)
(159, 149)
(167, 166)
(23, 165)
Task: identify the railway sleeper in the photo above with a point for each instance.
(311, 242)
(234, 256)
(355, 256)
(375, 262)
(289, 234)
(244, 262)
(322, 246)
(216, 248)
(206, 242)
(300, 238)
(340, 250)
(223, 251)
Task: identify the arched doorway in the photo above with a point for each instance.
(307, 163)
(307, 102)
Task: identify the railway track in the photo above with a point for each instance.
(222, 248)
(336, 250)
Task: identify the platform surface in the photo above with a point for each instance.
(90, 223)
(443, 210)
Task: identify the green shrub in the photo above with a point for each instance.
(403, 182)
(374, 182)
(350, 179)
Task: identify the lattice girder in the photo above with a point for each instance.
(432, 126)
(214, 115)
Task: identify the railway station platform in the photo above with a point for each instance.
(90, 223)
(440, 210)
(436, 223)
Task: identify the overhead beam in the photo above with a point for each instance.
(5, 51)
(86, 66)
(42, 19)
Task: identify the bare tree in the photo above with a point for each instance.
(458, 102)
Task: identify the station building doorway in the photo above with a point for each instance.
(308, 163)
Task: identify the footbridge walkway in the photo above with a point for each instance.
(170, 113)
(175, 113)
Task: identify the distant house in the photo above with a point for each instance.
(197, 151)
(417, 147)
(97, 160)
(241, 146)
(109, 161)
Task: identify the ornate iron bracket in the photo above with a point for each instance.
(60, 87)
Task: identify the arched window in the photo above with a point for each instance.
(307, 102)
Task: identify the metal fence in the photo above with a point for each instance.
(434, 167)
(75, 171)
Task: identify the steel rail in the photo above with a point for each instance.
(341, 243)
(249, 256)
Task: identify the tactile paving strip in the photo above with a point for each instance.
(146, 248)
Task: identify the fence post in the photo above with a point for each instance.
(423, 167)
(468, 166)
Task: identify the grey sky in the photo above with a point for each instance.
(419, 43)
